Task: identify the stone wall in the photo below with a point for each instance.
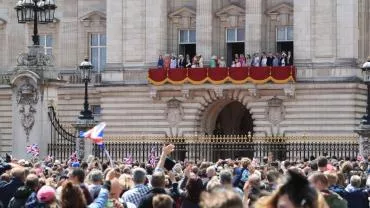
(5, 119)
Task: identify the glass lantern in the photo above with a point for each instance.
(20, 13)
(366, 74)
(85, 69)
(41, 14)
(28, 9)
(49, 7)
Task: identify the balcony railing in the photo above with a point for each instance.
(242, 75)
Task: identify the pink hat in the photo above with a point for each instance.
(46, 194)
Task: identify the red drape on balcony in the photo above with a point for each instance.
(242, 75)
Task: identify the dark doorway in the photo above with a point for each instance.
(285, 46)
(236, 120)
(232, 49)
(190, 49)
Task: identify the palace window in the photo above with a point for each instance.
(187, 37)
(284, 33)
(235, 35)
(96, 109)
(47, 42)
(98, 51)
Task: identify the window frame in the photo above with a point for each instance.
(46, 48)
(187, 36)
(286, 29)
(236, 40)
(97, 68)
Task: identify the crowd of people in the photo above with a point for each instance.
(256, 60)
(324, 182)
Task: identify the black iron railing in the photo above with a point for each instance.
(212, 149)
(62, 142)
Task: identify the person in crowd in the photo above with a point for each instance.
(8, 190)
(158, 181)
(226, 182)
(96, 180)
(210, 173)
(212, 62)
(4, 178)
(333, 183)
(295, 192)
(242, 176)
(221, 62)
(320, 181)
(72, 196)
(77, 177)
(191, 196)
(271, 180)
(181, 62)
(162, 201)
(188, 61)
(126, 182)
(24, 192)
(160, 63)
(356, 196)
(221, 199)
(322, 164)
(136, 194)
(173, 64)
(252, 188)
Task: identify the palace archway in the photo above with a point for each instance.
(227, 117)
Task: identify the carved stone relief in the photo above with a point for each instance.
(27, 97)
(174, 114)
(275, 114)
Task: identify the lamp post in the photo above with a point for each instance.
(364, 129)
(36, 11)
(85, 69)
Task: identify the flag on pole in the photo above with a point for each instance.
(49, 158)
(128, 160)
(95, 134)
(152, 157)
(33, 149)
(73, 157)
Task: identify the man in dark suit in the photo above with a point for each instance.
(8, 190)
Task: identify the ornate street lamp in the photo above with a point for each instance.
(366, 77)
(85, 69)
(36, 11)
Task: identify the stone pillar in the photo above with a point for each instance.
(347, 30)
(156, 30)
(253, 26)
(204, 25)
(114, 34)
(30, 120)
(302, 31)
(84, 148)
(364, 142)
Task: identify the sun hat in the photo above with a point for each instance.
(46, 194)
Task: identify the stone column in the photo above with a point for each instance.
(204, 29)
(156, 30)
(84, 148)
(253, 26)
(302, 31)
(114, 34)
(347, 30)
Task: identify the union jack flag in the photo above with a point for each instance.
(128, 160)
(73, 157)
(152, 157)
(95, 134)
(49, 158)
(33, 149)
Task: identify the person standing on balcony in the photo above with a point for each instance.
(188, 61)
(283, 60)
(173, 64)
(242, 60)
(222, 62)
(263, 60)
(201, 61)
(256, 60)
(167, 62)
(275, 61)
(212, 62)
(181, 62)
(289, 59)
(270, 59)
(160, 62)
